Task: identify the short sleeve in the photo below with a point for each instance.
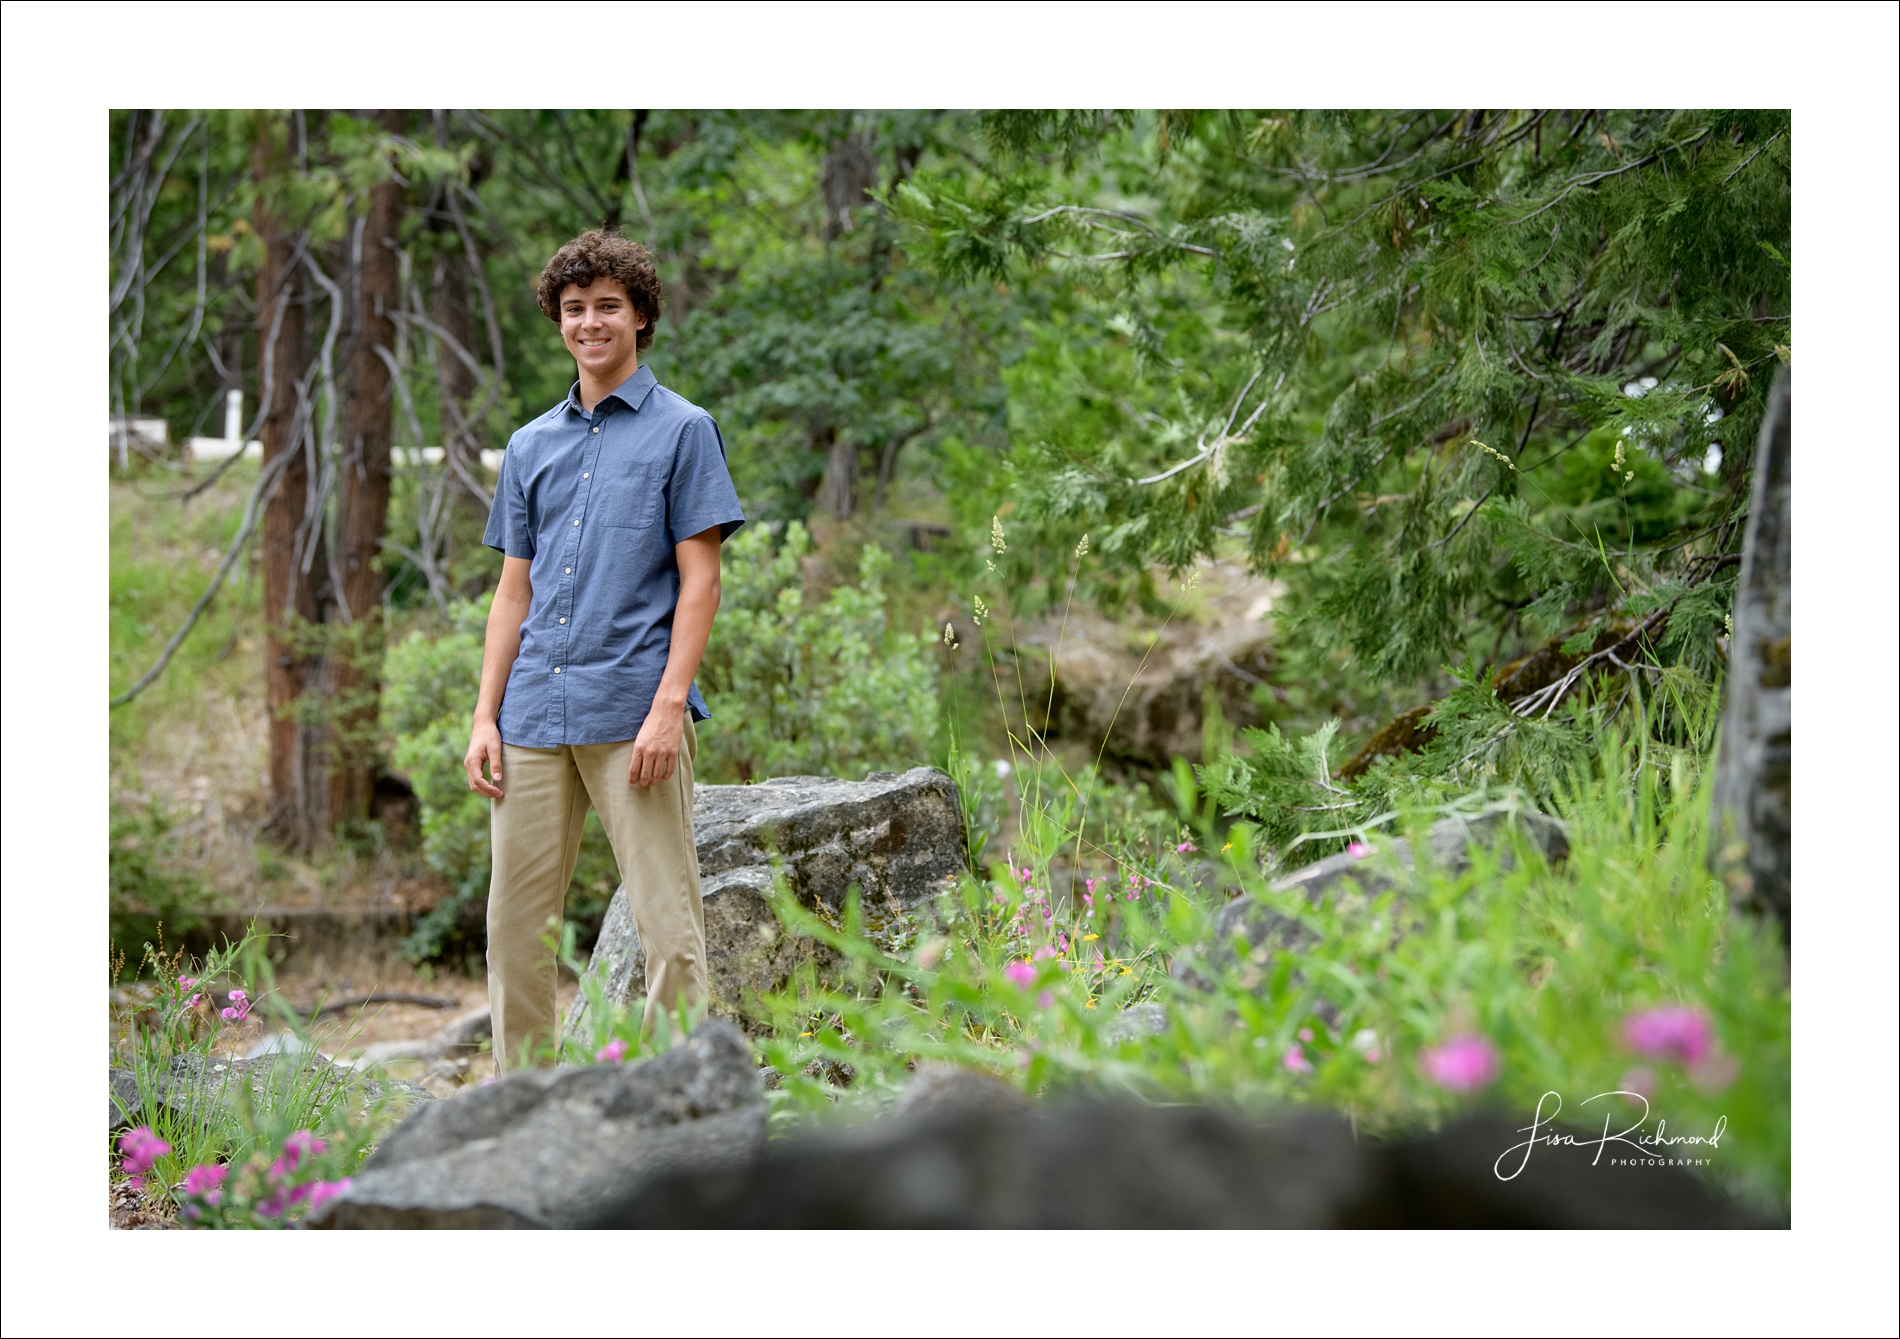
(699, 493)
(508, 514)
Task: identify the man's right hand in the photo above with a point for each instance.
(484, 746)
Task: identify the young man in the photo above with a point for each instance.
(610, 511)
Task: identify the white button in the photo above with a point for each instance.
(570, 571)
(563, 620)
(587, 476)
(557, 669)
(577, 523)
(596, 429)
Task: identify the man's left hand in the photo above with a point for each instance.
(657, 749)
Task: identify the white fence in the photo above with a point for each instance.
(154, 436)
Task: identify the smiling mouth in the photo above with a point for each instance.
(593, 343)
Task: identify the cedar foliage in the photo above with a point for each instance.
(1466, 381)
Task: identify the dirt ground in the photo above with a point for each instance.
(344, 1033)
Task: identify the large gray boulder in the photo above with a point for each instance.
(1754, 794)
(1355, 880)
(1143, 698)
(1092, 1164)
(553, 1148)
(1096, 1164)
(898, 838)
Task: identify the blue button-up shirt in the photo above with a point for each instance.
(595, 503)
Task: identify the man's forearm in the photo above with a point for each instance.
(500, 646)
(692, 627)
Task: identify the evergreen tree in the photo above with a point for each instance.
(1465, 380)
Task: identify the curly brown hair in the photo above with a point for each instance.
(603, 255)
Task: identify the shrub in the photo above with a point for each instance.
(149, 885)
(803, 686)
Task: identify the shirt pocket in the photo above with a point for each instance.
(628, 497)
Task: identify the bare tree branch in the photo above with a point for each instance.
(266, 481)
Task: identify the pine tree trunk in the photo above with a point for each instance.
(362, 519)
(452, 310)
(837, 491)
(290, 598)
(1753, 802)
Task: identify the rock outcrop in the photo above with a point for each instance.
(1095, 1164)
(1385, 865)
(558, 1148)
(897, 838)
(1146, 692)
(1754, 795)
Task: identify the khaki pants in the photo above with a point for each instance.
(536, 839)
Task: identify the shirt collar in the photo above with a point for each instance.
(632, 392)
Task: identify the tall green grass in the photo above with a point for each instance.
(1544, 962)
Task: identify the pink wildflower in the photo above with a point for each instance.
(1461, 1064)
(204, 1182)
(240, 1007)
(141, 1148)
(1185, 847)
(1088, 900)
(302, 1144)
(1672, 1032)
(1045, 999)
(187, 982)
(1091, 884)
(612, 1053)
(1021, 973)
(1358, 850)
(1046, 951)
(1306, 1034)
(1295, 1060)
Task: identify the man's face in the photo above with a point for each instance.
(600, 326)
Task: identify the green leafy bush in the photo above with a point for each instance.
(429, 688)
(803, 686)
(151, 882)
